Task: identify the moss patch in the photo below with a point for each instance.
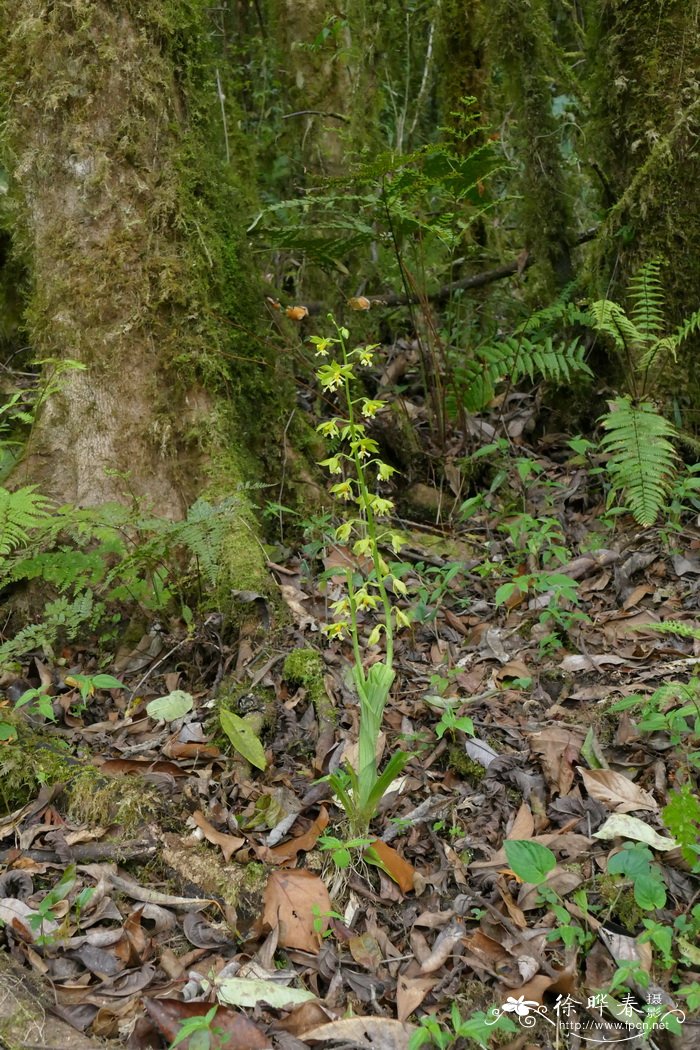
(96, 800)
(305, 668)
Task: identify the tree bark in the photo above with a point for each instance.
(122, 156)
(646, 71)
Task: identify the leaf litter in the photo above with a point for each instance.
(215, 891)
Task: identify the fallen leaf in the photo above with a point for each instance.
(363, 1033)
(396, 867)
(244, 740)
(621, 825)
(410, 993)
(558, 748)
(171, 707)
(297, 903)
(229, 843)
(287, 851)
(249, 991)
(229, 1029)
(365, 951)
(615, 790)
(297, 313)
(445, 944)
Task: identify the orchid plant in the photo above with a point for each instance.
(357, 463)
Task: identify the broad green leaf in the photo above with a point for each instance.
(249, 991)
(169, 708)
(107, 681)
(530, 861)
(633, 861)
(244, 740)
(649, 892)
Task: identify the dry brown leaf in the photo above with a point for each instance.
(303, 1017)
(363, 1033)
(515, 913)
(365, 951)
(395, 865)
(615, 791)
(359, 302)
(445, 944)
(410, 993)
(558, 748)
(287, 851)
(297, 902)
(524, 823)
(297, 313)
(231, 1029)
(228, 843)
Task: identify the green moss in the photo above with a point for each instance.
(173, 262)
(96, 800)
(465, 766)
(29, 763)
(621, 902)
(305, 668)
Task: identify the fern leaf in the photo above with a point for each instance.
(645, 291)
(610, 319)
(20, 512)
(641, 457)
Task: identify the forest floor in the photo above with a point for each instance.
(209, 875)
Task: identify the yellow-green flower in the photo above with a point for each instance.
(343, 490)
(370, 407)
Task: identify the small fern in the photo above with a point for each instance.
(639, 439)
(641, 463)
(532, 352)
(636, 333)
(20, 512)
(94, 560)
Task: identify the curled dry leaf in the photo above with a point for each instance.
(447, 940)
(287, 851)
(228, 843)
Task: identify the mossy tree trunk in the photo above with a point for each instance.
(126, 208)
(646, 60)
(523, 57)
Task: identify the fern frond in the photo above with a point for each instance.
(610, 319)
(642, 459)
(683, 630)
(646, 292)
(683, 332)
(20, 512)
